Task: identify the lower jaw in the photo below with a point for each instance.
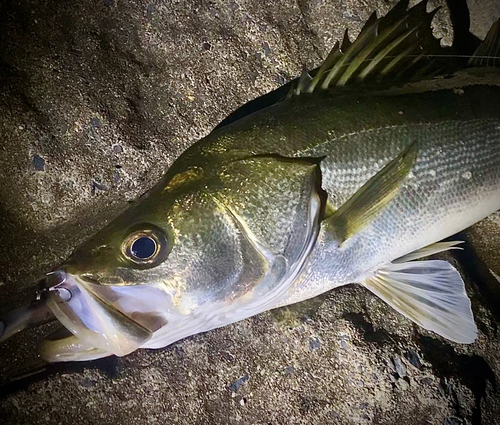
(63, 346)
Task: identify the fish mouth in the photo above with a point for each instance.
(97, 318)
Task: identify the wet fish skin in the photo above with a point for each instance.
(259, 213)
(220, 243)
(458, 133)
(215, 263)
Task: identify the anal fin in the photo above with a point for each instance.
(430, 293)
(428, 250)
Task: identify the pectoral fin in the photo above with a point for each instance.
(374, 195)
(430, 293)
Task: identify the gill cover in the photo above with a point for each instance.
(78, 305)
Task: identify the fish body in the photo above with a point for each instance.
(341, 182)
(454, 182)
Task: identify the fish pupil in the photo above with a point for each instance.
(143, 247)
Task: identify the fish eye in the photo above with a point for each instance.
(146, 247)
(143, 247)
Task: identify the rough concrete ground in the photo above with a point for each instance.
(97, 98)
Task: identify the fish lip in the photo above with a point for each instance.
(95, 280)
(63, 346)
(90, 316)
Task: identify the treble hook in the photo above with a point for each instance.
(54, 280)
(36, 313)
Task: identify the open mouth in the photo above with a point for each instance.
(87, 311)
(102, 320)
(99, 320)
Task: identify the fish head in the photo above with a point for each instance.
(204, 248)
(174, 251)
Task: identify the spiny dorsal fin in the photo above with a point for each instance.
(397, 12)
(394, 48)
(371, 20)
(414, 56)
(488, 52)
(346, 41)
(303, 83)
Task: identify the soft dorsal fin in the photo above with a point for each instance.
(488, 52)
(393, 48)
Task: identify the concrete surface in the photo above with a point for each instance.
(97, 98)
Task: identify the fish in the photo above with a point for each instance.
(354, 172)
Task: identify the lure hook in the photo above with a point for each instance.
(36, 313)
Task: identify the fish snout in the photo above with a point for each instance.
(89, 312)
